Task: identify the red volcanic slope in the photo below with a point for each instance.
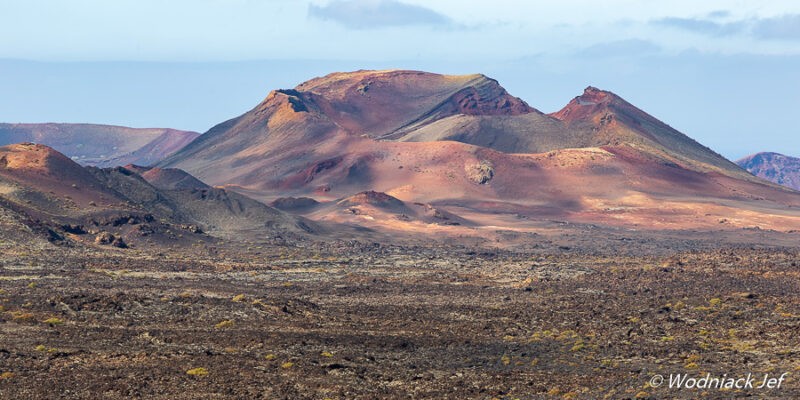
(100, 145)
(376, 103)
(45, 170)
(339, 109)
(612, 120)
(423, 137)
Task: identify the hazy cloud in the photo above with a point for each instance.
(371, 14)
(630, 47)
(704, 26)
(784, 27)
(719, 14)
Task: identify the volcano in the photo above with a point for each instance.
(464, 145)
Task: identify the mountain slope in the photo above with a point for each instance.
(384, 103)
(57, 195)
(607, 119)
(50, 181)
(341, 109)
(462, 144)
(774, 167)
(100, 145)
(214, 210)
(336, 110)
(168, 178)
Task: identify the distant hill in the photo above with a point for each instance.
(100, 145)
(774, 167)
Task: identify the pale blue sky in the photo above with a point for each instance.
(723, 72)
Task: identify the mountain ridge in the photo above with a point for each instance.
(775, 167)
(406, 134)
(100, 145)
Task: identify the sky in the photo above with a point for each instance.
(726, 73)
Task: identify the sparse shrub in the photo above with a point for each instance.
(609, 363)
(224, 324)
(32, 285)
(326, 354)
(41, 347)
(6, 375)
(578, 346)
(287, 365)
(54, 321)
(200, 371)
(20, 316)
(270, 357)
(238, 298)
(568, 334)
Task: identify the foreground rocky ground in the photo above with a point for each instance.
(278, 322)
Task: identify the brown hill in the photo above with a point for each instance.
(382, 211)
(100, 145)
(774, 167)
(50, 193)
(374, 199)
(496, 162)
(52, 181)
(168, 178)
(217, 211)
